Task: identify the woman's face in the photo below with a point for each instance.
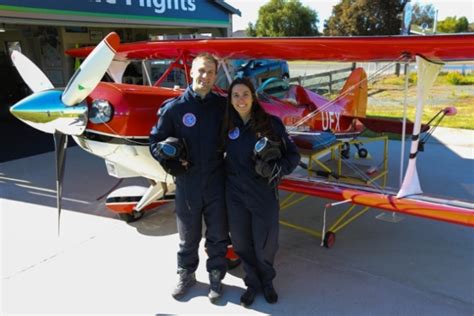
(241, 99)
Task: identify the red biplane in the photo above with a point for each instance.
(113, 119)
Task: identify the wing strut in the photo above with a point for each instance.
(427, 72)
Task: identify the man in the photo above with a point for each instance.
(194, 121)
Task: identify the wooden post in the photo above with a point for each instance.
(397, 69)
(330, 83)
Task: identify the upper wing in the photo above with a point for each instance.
(350, 49)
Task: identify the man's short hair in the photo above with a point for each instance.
(208, 57)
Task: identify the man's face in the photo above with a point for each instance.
(204, 75)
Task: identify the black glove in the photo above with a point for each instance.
(263, 168)
(171, 154)
(174, 167)
(268, 170)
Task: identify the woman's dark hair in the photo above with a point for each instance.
(260, 123)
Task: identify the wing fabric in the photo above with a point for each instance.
(348, 49)
(419, 206)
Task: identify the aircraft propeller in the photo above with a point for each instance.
(34, 78)
(58, 112)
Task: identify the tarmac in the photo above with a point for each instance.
(101, 265)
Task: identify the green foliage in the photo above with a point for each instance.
(455, 78)
(462, 25)
(284, 18)
(365, 17)
(251, 30)
(453, 25)
(399, 80)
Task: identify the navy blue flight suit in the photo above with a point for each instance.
(252, 204)
(200, 191)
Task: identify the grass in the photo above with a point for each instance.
(387, 97)
(463, 119)
(444, 78)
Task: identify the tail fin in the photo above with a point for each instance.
(354, 94)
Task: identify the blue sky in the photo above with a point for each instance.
(249, 9)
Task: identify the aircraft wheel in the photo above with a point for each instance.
(363, 153)
(345, 151)
(329, 239)
(131, 217)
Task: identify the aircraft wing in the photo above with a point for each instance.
(344, 49)
(433, 208)
(381, 125)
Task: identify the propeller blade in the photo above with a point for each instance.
(60, 145)
(91, 71)
(34, 78)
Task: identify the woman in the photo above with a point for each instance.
(253, 173)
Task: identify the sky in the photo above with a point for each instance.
(249, 9)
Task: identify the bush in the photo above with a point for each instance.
(455, 78)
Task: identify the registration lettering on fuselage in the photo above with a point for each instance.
(330, 121)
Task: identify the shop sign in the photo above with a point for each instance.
(186, 11)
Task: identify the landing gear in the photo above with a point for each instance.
(363, 153)
(345, 151)
(131, 217)
(329, 239)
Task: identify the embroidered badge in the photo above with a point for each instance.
(234, 134)
(189, 119)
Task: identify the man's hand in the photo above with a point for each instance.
(185, 163)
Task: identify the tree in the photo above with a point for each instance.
(284, 18)
(423, 14)
(251, 31)
(453, 25)
(365, 17)
(462, 25)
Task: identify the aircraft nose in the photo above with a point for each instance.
(45, 111)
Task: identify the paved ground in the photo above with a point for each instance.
(101, 265)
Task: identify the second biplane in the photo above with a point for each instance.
(112, 119)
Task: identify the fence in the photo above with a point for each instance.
(327, 79)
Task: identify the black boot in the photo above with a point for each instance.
(248, 297)
(186, 280)
(270, 294)
(215, 289)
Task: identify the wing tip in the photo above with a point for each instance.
(112, 40)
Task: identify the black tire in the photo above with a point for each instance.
(363, 153)
(329, 239)
(131, 217)
(345, 151)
